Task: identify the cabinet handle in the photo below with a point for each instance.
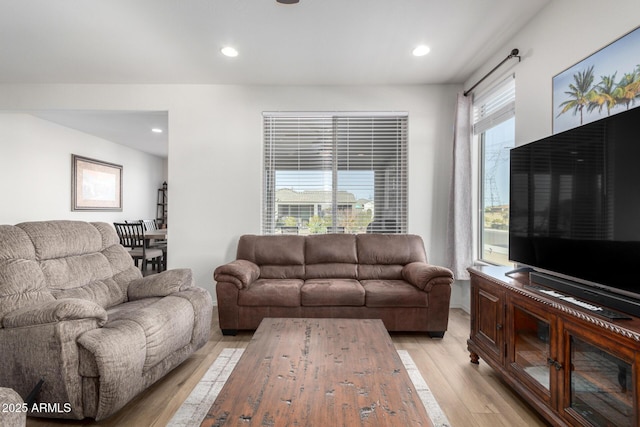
(499, 326)
(554, 363)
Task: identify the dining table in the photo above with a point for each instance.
(159, 234)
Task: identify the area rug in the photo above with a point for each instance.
(195, 408)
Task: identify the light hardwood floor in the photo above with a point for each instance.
(470, 395)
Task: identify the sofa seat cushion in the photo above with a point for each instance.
(393, 293)
(123, 311)
(271, 292)
(167, 324)
(332, 292)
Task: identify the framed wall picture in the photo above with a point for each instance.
(95, 185)
(605, 83)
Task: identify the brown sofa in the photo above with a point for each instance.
(76, 312)
(334, 275)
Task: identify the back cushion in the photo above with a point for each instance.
(21, 280)
(60, 239)
(350, 256)
(279, 257)
(82, 260)
(331, 256)
(382, 256)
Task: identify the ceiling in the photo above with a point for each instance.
(314, 42)
(130, 128)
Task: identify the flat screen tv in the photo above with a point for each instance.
(575, 209)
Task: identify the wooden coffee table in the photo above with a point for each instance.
(319, 372)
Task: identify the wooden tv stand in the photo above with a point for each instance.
(572, 365)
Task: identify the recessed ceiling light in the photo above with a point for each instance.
(156, 130)
(421, 50)
(229, 51)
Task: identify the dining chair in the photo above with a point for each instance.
(132, 237)
(151, 224)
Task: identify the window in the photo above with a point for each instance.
(334, 172)
(494, 126)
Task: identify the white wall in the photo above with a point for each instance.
(35, 172)
(215, 152)
(562, 34)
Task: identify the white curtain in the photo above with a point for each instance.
(459, 229)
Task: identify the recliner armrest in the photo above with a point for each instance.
(55, 311)
(14, 409)
(424, 276)
(161, 284)
(239, 272)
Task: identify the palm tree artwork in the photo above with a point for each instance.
(604, 94)
(627, 90)
(605, 83)
(607, 92)
(579, 93)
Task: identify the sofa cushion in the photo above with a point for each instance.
(106, 293)
(167, 324)
(23, 283)
(393, 293)
(331, 256)
(279, 257)
(63, 259)
(87, 276)
(382, 256)
(121, 311)
(331, 271)
(60, 239)
(332, 292)
(380, 271)
(271, 292)
(16, 244)
(331, 248)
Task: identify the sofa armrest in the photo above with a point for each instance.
(55, 311)
(239, 272)
(161, 284)
(425, 276)
(14, 409)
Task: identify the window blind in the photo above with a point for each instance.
(335, 172)
(495, 106)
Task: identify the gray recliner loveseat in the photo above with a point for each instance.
(77, 313)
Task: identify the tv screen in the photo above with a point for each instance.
(575, 203)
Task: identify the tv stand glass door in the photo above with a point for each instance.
(531, 353)
(599, 385)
